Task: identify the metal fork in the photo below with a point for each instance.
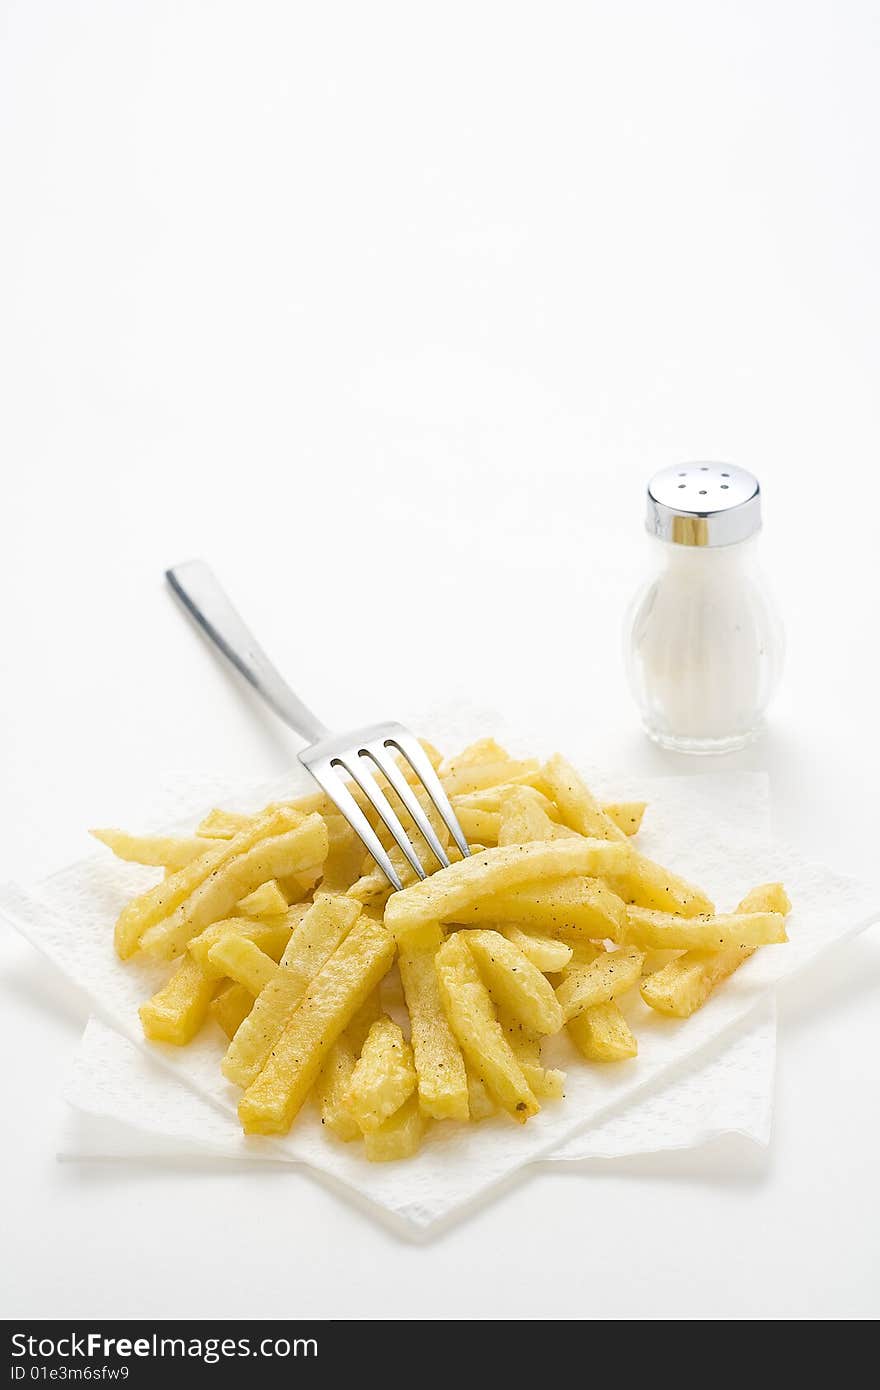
(357, 752)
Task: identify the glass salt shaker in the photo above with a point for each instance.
(704, 646)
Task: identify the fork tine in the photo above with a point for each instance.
(387, 764)
(338, 792)
(354, 765)
(412, 750)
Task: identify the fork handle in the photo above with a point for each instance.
(208, 604)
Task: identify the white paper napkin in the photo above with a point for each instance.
(705, 827)
(125, 1106)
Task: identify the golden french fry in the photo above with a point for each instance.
(627, 815)
(384, 1076)
(491, 799)
(159, 902)
(547, 1084)
(331, 1090)
(573, 908)
(334, 1081)
(684, 985)
(242, 961)
(767, 897)
(325, 925)
(265, 901)
(298, 888)
(177, 1011)
(480, 1103)
(369, 1012)
(476, 776)
(577, 805)
(343, 864)
(514, 983)
(480, 1036)
(399, 1136)
(271, 936)
(646, 884)
(222, 825)
(602, 1034)
(163, 851)
(445, 895)
(289, 852)
(479, 825)
(483, 750)
(332, 999)
(522, 819)
(655, 960)
(546, 953)
(440, 1068)
(230, 1007)
(612, 973)
(664, 931)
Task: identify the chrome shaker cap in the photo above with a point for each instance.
(710, 504)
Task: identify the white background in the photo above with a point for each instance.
(389, 311)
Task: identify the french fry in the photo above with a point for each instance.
(480, 775)
(265, 901)
(159, 902)
(546, 953)
(767, 897)
(230, 1007)
(400, 1135)
(602, 1034)
(664, 931)
(334, 996)
(546, 1083)
(342, 866)
(480, 1036)
(483, 750)
(480, 1103)
(331, 1091)
(324, 926)
(440, 1068)
(611, 974)
(163, 851)
(444, 896)
(684, 985)
(491, 799)
(479, 825)
(522, 819)
(578, 807)
(271, 936)
(384, 1076)
(514, 983)
(299, 887)
(222, 825)
(177, 1011)
(334, 1081)
(573, 908)
(655, 960)
(243, 961)
(295, 849)
(646, 884)
(627, 815)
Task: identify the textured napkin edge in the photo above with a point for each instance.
(760, 1023)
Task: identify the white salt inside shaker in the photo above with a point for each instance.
(703, 643)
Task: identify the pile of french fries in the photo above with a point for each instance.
(396, 1010)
